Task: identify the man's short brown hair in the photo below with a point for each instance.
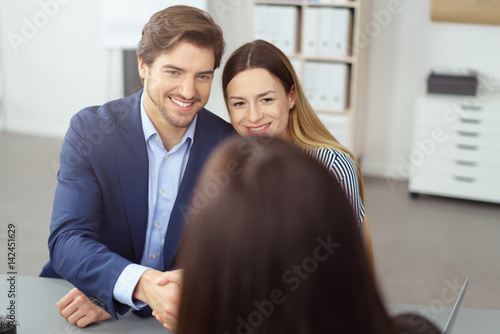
(176, 23)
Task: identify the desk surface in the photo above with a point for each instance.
(36, 311)
(469, 320)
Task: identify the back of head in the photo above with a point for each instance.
(175, 23)
(272, 247)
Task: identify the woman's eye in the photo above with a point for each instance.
(238, 104)
(267, 100)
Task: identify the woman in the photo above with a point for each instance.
(264, 97)
(260, 257)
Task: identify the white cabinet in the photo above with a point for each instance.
(321, 39)
(456, 148)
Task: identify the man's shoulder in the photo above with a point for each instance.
(213, 122)
(113, 110)
(208, 116)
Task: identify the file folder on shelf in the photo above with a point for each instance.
(326, 85)
(341, 32)
(327, 32)
(327, 24)
(277, 25)
(311, 32)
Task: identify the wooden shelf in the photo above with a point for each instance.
(284, 3)
(339, 5)
(347, 4)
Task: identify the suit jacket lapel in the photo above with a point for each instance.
(206, 138)
(131, 154)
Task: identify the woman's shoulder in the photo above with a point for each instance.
(330, 156)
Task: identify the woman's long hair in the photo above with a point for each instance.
(304, 126)
(272, 247)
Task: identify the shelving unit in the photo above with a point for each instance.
(456, 148)
(345, 122)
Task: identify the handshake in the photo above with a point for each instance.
(160, 290)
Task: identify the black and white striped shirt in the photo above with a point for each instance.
(344, 170)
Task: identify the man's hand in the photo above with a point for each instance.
(163, 297)
(174, 276)
(79, 310)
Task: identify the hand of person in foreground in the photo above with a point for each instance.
(79, 310)
(162, 292)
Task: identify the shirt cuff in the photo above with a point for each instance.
(126, 283)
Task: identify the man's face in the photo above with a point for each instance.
(177, 84)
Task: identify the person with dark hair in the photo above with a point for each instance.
(264, 97)
(127, 172)
(274, 248)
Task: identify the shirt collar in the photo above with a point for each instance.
(149, 130)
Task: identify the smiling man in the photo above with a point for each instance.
(127, 169)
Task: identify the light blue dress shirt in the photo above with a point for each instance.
(166, 169)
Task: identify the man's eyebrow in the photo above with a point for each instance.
(207, 72)
(172, 67)
(180, 69)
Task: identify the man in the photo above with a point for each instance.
(128, 169)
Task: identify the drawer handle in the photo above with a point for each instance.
(464, 179)
(468, 134)
(467, 147)
(470, 121)
(471, 107)
(466, 163)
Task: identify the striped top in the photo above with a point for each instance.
(342, 167)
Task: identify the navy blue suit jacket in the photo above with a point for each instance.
(100, 209)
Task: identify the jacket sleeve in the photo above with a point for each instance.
(75, 250)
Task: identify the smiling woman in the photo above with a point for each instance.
(259, 104)
(264, 97)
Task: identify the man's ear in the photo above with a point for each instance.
(143, 68)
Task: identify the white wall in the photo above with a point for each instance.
(53, 63)
(406, 47)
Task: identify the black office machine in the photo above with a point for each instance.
(460, 83)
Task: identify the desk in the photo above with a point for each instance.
(469, 321)
(36, 310)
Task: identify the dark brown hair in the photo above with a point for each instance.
(176, 23)
(304, 126)
(272, 246)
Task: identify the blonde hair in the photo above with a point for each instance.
(304, 126)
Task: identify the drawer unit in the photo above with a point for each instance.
(456, 148)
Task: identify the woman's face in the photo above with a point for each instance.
(258, 104)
